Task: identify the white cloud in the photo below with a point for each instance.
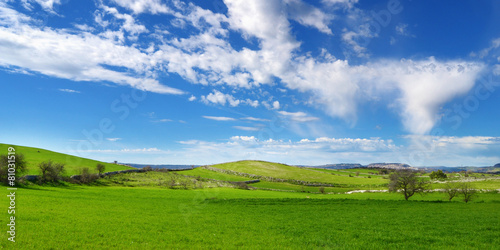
(276, 105)
(298, 116)
(192, 98)
(216, 97)
(47, 5)
(402, 29)
(420, 87)
(425, 86)
(308, 15)
(69, 90)
(255, 119)
(78, 57)
(144, 6)
(447, 151)
(113, 139)
(347, 3)
(129, 22)
(125, 150)
(162, 120)
(219, 118)
(495, 43)
(246, 128)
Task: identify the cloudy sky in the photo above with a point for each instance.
(292, 81)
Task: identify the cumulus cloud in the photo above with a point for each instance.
(309, 15)
(216, 97)
(418, 88)
(78, 57)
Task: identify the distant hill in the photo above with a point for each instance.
(73, 164)
(161, 166)
(338, 166)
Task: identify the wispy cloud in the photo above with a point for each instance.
(219, 118)
(69, 91)
(113, 139)
(298, 116)
(255, 119)
(246, 128)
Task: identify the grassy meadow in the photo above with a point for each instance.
(210, 208)
(73, 164)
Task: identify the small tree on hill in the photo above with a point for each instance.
(438, 175)
(100, 168)
(407, 182)
(19, 164)
(467, 191)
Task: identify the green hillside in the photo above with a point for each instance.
(73, 164)
(290, 172)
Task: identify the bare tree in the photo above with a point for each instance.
(467, 191)
(407, 182)
(451, 189)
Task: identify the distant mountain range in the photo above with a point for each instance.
(494, 169)
(160, 166)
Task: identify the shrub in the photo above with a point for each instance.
(322, 190)
(87, 177)
(100, 168)
(50, 172)
(17, 160)
(147, 168)
(241, 185)
(438, 175)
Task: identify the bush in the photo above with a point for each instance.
(241, 185)
(87, 177)
(50, 172)
(100, 168)
(322, 190)
(17, 160)
(438, 175)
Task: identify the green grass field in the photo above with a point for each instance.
(73, 164)
(203, 208)
(76, 217)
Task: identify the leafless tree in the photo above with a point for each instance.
(467, 191)
(407, 182)
(451, 189)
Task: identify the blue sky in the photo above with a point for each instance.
(298, 82)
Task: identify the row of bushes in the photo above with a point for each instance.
(50, 172)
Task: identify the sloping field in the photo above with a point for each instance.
(73, 164)
(290, 172)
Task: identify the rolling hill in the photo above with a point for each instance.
(73, 164)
